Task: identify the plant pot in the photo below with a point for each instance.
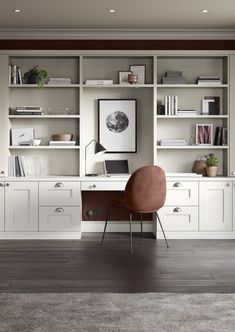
(32, 79)
(211, 170)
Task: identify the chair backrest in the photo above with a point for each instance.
(146, 189)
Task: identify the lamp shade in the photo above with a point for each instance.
(99, 148)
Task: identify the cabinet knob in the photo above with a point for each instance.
(1, 184)
(177, 185)
(7, 184)
(59, 210)
(93, 186)
(2, 172)
(59, 185)
(177, 210)
(228, 184)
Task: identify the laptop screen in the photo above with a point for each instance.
(116, 166)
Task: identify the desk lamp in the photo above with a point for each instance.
(99, 149)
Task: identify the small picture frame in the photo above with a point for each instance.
(204, 134)
(140, 71)
(22, 136)
(123, 77)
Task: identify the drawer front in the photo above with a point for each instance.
(59, 193)
(90, 185)
(59, 219)
(179, 218)
(182, 193)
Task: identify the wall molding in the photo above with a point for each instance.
(123, 34)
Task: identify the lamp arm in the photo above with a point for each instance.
(86, 152)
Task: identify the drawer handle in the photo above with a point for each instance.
(177, 185)
(93, 186)
(59, 210)
(177, 210)
(2, 172)
(1, 185)
(59, 185)
(7, 184)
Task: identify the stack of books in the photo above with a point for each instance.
(208, 80)
(170, 142)
(173, 77)
(101, 82)
(59, 80)
(16, 166)
(171, 105)
(187, 113)
(62, 143)
(14, 74)
(28, 110)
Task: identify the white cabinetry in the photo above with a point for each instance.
(21, 206)
(180, 212)
(2, 206)
(215, 206)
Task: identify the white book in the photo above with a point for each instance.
(97, 82)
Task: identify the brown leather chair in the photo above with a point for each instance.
(145, 192)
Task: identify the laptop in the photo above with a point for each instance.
(116, 167)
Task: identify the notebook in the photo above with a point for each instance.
(116, 167)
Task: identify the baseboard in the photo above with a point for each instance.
(115, 226)
(40, 235)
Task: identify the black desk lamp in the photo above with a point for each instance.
(99, 149)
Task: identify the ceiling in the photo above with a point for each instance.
(129, 14)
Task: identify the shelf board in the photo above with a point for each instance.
(192, 117)
(132, 86)
(63, 116)
(194, 86)
(44, 147)
(190, 147)
(22, 86)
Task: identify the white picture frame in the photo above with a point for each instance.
(140, 71)
(123, 77)
(22, 136)
(117, 125)
(204, 134)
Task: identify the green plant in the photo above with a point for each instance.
(212, 160)
(37, 76)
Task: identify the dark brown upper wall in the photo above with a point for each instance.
(117, 44)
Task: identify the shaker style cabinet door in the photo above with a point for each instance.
(21, 206)
(215, 206)
(1, 206)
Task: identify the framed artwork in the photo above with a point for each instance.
(123, 77)
(204, 134)
(117, 125)
(22, 136)
(140, 71)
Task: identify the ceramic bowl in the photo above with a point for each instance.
(62, 137)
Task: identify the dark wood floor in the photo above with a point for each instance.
(83, 266)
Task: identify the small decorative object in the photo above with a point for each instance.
(132, 78)
(123, 77)
(62, 137)
(212, 163)
(37, 76)
(140, 71)
(22, 136)
(199, 165)
(36, 142)
(204, 134)
(117, 124)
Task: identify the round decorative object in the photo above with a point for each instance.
(117, 122)
(62, 137)
(132, 78)
(199, 167)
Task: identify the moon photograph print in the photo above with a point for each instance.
(117, 125)
(117, 122)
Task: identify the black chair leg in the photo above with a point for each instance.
(131, 232)
(106, 222)
(162, 229)
(141, 225)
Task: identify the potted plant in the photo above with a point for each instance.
(37, 76)
(212, 163)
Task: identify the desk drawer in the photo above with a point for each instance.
(59, 219)
(182, 193)
(175, 218)
(96, 185)
(59, 193)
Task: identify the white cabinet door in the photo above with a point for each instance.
(1, 206)
(179, 218)
(215, 206)
(182, 193)
(21, 206)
